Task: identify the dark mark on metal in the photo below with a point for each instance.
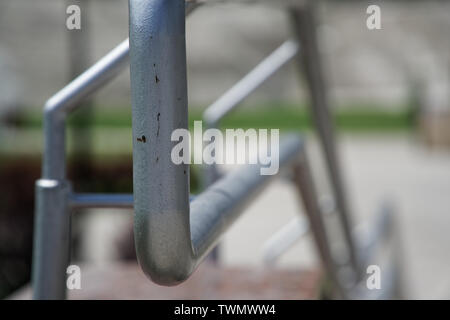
(157, 118)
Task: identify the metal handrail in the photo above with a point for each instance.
(171, 236)
(214, 113)
(88, 200)
(305, 30)
(54, 196)
(237, 93)
(173, 230)
(68, 98)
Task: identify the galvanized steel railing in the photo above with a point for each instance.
(172, 233)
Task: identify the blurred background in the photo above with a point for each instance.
(389, 90)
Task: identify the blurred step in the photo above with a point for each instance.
(126, 281)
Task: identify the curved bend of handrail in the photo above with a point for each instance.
(60, 104)
(171, 235)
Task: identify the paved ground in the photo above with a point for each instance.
(126, 281)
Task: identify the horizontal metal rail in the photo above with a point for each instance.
(98, 200)
(263, 71)
(103, 200)
(284, 239)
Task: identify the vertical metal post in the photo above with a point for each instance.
(305, 30)
(51, 247)
(159, 107)
(51, 252)
(306, 188)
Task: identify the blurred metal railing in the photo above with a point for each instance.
(174, 233)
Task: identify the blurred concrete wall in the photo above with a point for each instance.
(226, 40)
